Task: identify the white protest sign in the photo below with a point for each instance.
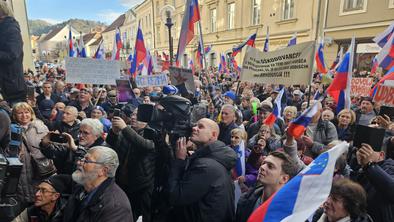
(151, 80)
(288, 66)
(180, 76)
(91, 71)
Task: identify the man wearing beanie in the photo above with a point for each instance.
(50, 199)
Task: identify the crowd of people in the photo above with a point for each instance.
(88, 158)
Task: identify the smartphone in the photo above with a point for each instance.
(58, 138)
(117, 112)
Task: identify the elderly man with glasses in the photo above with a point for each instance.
(50, 199)
(97, 197)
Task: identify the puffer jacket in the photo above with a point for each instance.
(35, 131)
(201, 188)
(12, 83)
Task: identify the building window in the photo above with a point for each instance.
(213, 20)
(353, 6)
(230, 15)
(256, 12)
(288, 9)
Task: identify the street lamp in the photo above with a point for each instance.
(166, 14)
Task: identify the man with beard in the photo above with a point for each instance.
(64, 155)
(135, 146)
(366, 113)
(97, 197)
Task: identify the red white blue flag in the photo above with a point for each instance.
(319, 57)
(389, 76)
(293, 40)
(298, 126)
(192, 15)
(334, 65)
(385, 57)
(139, 52)
(276, 113)
(239, 169)
(117, 46)
(298, 199)
(384, 37)
(71, 52)
(81, 48)
(249, 41)
(99, 54)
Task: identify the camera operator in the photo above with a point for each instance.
(136, 150)
(65, 153)
(12, 83)
(201, 188)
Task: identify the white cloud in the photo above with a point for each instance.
(51, 21)
(129, 3)
(108, 16)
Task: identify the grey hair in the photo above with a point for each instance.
(108, 157)
(97, 126)
(73, 109)
(5, 9)
(229, 106)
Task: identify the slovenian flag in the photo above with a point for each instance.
(276, 113)
(319, 57)
(249, 41)
(70, 44)
(239, 169)
(191, 66)
(82, 50)
(192, 15)
(298, 199)
(339, 88)
(384, 37)
(389, 76)
(293, 40)
(385, 57)
(117, 46)
(139, 51)
(375, 66)
(267, 39)
(99, 54)
(298, 126)
(223, 64)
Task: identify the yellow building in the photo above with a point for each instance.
(144, 12)
(227, 23)
(363, 19)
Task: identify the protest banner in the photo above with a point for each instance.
(288, 66)
(361, 86)
(91, 71)
(151, 80)
(182, 78)
(384, 95)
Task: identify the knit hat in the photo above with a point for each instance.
(231, 95)
(61, 183)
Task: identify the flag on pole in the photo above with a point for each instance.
(82, 50)
(266, 43)
(385, 57)
(298, 126)
(319, 57)
(249, 41)
(99, 54)
(339, 89)
(70, 44)
(192, 15)
(389, 76)
(382, 38)
(293, 40)
(139, 51)
(148, 65)
(276, 113)
(166, 62)
(191, 66)
(305, 193)
(223, 64)
(375, 65)
(117, 45)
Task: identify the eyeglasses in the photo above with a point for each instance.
(84, 160)
(43, 190)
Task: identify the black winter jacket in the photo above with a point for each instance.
(225, 132)
(200, 187)
(246, 203)
(378, 182)
(137, 154)
(12, 83)
(108, 203)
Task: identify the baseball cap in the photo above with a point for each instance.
(231, 95)
(45, 107)
(61, 183)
